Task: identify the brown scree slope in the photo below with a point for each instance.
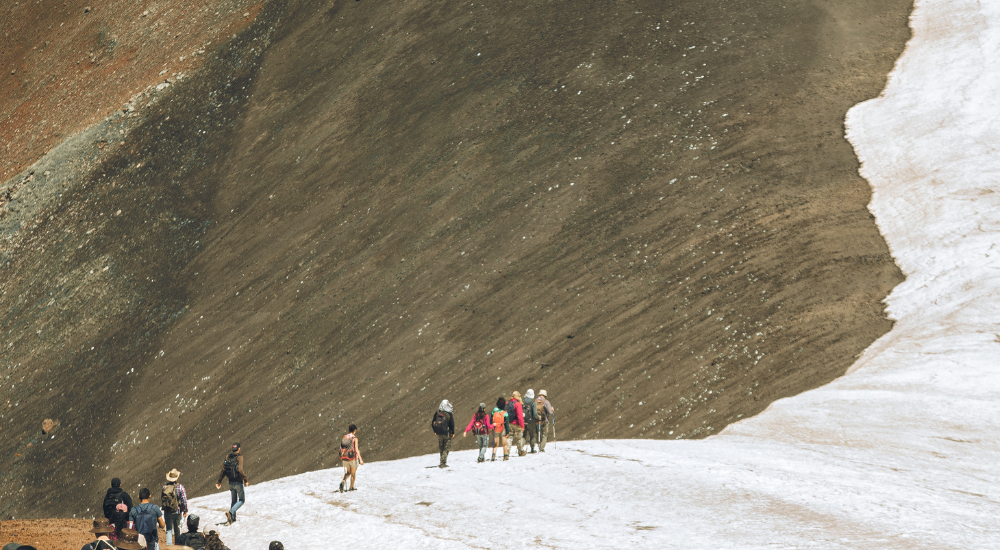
(351, 210)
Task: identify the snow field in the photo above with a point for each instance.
(899, 453)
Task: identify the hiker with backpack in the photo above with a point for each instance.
(498, 435)
(173, 502)
(481, 428)
(145, 517)
(530, 420)
(350, 456)
(115, 496)
(546, 418)
(192, 539)
(515, 415)
(232, 469)
(443, 424)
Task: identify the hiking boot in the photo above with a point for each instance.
(229, 518)
(506, 457)
(494, 459)
(443, 466)
(353, 489)
(522, 453)
(341, 486)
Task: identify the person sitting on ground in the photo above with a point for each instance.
(102, 528)
(128, 540)
(499, 435)
(232, 469)
(443, 424)
(213, 542)
(350, 457)
(145, 517)
(173, 502)
(192, 538)
(481, 428)
(275, 545)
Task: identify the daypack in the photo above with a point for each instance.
(440, 423)
(511, 412)
(168, 498)
(540, 407)
(498, 421)
(118, 520)
(479, 425)
(193, 540)
(347, 447)
(111, 501)
(145, 521)
(232, 467)
(530, 414)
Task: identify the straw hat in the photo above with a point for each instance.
(128, 540)
(102, 527)
(173, 475)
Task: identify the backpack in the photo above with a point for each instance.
(168, 498)
(540, 407)
(479, 425)
(347, 447)
(111, 501)
(193, 540)
(440, 423)
(118, 520)
(232, 467)
(145, 521)
(498, 421)
(511, 411)
(530, 414)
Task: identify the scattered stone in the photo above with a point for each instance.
(86, 10)
(48, 425)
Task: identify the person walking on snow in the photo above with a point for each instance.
(498, 435)
(232, 469)
(481, 428)
(443, 424)
(546, 418)
(516, 415)
(530, 420)
(350, 456)
(173, 502)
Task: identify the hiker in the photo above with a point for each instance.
(145, 517)
(515, 415)
(192, 538)
(481, 428)
(350, 456)
(443, 424)
(499, 433)
(213, 542)
(115, 496)
(128, 540)
(530, 420)
(173, 502)
(546, 418)
(102, 528)
(275, 545)
(232, 469)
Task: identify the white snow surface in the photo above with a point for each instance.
(899, 453)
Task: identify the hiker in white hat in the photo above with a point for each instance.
(546, 418)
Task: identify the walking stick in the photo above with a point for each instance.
(554, 435)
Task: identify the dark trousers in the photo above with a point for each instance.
(236, 490)
(173, 528)
(444, 444)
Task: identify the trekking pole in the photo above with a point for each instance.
(554, 435)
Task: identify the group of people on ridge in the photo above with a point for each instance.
(131, 526)
(517, 422)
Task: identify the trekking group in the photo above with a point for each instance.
(130, 526)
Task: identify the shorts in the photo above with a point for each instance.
(349, 463)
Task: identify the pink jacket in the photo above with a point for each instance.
(489, 425)
(519, 417)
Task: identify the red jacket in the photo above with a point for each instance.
(518, 419)
(489, 425)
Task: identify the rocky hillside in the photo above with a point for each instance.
(337, 211)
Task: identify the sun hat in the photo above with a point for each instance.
(543, 392)
(128, 540)
(102, 527)
(173, 475)
(530, 394)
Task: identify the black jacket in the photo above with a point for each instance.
(451, 421)
(117, 491)
(193, 539)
